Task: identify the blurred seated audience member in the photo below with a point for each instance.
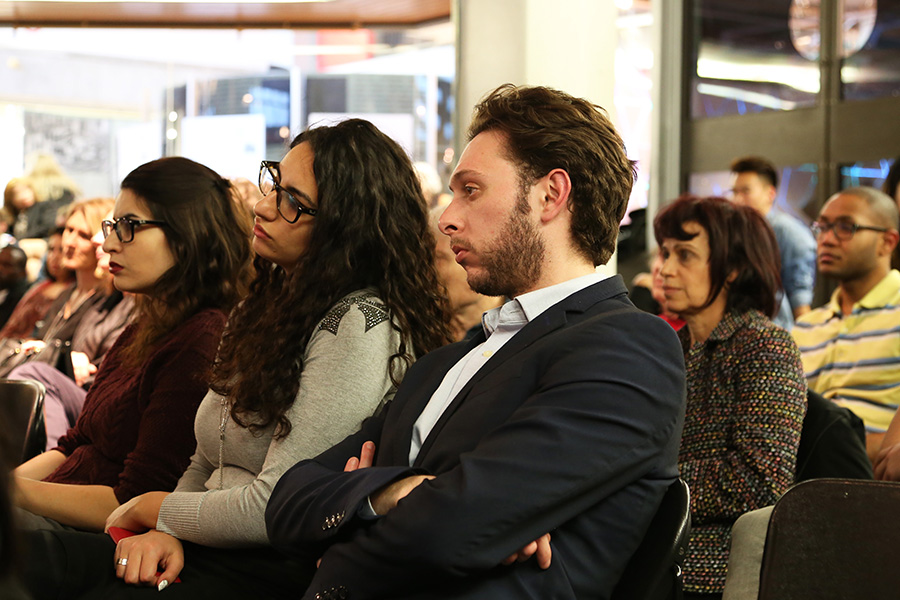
(37, 300)
(72, 374)
(327, 291)
(18, 198)
(13, 280)
(466, 305)
(55, 330)
(849, 354)
(176, 241)
(746, 395)
(53, 189)
(436, 195)
(648, 294)
(755, 185)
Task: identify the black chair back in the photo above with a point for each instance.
(832, 538)
(23, 412)
(654, 571)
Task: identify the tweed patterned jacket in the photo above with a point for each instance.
(746, 399)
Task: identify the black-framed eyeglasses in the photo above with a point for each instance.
(843, 230)
(124, 227)
(287, 205)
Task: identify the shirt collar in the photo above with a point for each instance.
(524, 308)
(878, 296)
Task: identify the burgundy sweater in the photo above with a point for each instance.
(136, 430)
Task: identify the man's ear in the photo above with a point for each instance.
(556, 187)
(891, 238)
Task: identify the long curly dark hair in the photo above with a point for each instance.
(371, 230)
(209, 238)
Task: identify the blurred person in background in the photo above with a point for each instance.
(34, 304)
(53, 190)
(13, 280)
(69, 378)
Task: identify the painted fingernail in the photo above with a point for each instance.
(162, 585)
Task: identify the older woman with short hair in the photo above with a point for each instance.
(746, 395)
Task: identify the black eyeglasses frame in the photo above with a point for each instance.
(842, 230)
(273, 169)
(107, 226)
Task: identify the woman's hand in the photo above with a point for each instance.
(140, 558)
(138, 514)
(82, 367)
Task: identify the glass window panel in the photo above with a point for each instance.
(754, 56)
(871, 173)
(103, 101)
(871, 35)
(796, 188)
(633, 94)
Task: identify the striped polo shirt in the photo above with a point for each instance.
(855, 359)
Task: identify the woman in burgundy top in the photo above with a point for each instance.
(179, 241)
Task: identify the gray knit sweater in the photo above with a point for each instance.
(345, 379)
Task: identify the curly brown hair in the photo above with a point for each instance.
(546, 129)
(209, 239)
(371, 230)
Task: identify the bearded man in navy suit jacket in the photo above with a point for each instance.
(528, 461)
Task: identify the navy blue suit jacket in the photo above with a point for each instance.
(571, 428)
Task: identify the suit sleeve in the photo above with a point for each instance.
(603, 407)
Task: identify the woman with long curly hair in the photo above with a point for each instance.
(178, 244)
(345, 297)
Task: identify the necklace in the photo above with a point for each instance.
(222, 441)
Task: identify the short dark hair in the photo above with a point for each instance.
(546, 129)
(740, 240)
(882, 207)
(756, 164)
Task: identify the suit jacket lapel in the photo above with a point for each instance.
(430, 374)
(551, 319)
(546, 322)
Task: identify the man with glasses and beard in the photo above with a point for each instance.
(529, 460)
(850, 346)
